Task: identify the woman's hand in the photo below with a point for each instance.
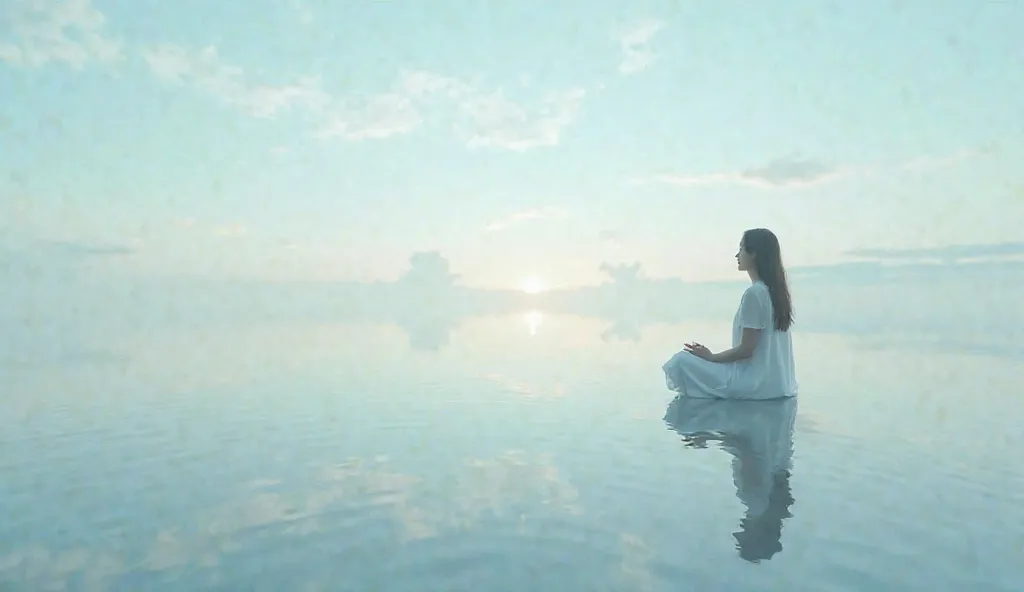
(698, 350)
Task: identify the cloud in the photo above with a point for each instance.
(204, 69)
(622, 273)
(26, 261)
(610, 236)
(790, 171)
(228, 230)
(393, 112)
(59, 250)
(376, 117)
(781, 172)
(947, 252)
(481, 118)
(81, 249)
(491, 120)
(51, 31)
(927, 163)
(545, 213)
(635, 42)
(72, 32)
(797, 171)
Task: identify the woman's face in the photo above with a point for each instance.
(744, 259)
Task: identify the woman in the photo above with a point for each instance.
(760, 363)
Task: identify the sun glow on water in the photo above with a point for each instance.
(533, 319)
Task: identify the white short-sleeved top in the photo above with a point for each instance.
(771, 371)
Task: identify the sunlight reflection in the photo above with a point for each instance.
(534, 319)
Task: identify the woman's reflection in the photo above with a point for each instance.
(759, 435)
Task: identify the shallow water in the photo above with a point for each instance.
(527, 453)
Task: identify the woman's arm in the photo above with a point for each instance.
(742, 351)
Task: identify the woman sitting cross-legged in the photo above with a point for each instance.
(760, 364)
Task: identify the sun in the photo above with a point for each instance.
(533, 285)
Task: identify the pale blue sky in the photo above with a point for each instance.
(330, 139)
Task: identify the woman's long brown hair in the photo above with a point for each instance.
(764, 245)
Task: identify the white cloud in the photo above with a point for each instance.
(635, 42)
(393, 112)
(71, 32)
(204, 69)
(536, 214)
(422, 84)
(379, 116)
(228, 230)
(481, 118)
(67, 32)
(492, 120)
(927, 163)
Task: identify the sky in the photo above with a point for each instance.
(528, 142)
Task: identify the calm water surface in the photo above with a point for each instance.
(530, 452)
